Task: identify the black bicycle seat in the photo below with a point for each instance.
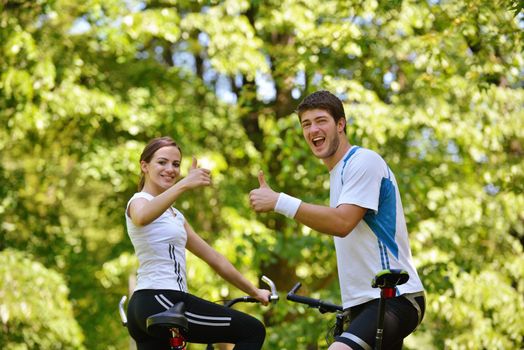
(390, 278)
(173, 317)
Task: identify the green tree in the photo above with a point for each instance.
(35, 308)
(435, 87)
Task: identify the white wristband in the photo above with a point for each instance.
(287, 205)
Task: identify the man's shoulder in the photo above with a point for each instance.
(362, 151)
(367, 157)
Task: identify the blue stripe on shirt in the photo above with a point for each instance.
(384, 222)
(346, 162)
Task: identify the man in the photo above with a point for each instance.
(367, 221)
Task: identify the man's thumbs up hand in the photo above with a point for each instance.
(263, 199)
(261, 179)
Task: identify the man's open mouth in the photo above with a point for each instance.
(318, 141)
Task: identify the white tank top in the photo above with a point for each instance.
(160, 248)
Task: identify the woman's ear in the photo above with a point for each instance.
(143, 166)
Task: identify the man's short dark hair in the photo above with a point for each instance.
(325, 100)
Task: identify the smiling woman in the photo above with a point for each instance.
(160, 235)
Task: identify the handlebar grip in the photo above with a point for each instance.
(303, 300)
(329, 307)
(250, 300)
(246, 299)
(315, 303)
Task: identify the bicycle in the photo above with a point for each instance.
(173, 323)
(386, 280)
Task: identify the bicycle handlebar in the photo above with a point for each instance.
(321, 305)
(273, 298)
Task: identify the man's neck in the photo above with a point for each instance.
(341, 150)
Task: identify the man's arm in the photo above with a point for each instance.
(338, 221)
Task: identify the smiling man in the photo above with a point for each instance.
(366, 219)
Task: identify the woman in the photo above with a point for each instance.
(160, 234)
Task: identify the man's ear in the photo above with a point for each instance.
(341, 124)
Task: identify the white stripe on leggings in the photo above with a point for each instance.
(356, 340)
(210, 318)
(166, 300)
(216, 324)
(161, 302)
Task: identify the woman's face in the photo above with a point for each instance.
(163, 170)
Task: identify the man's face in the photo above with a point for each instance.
(321, 132)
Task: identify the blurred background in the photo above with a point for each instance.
(435, 87)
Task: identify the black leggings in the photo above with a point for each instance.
(208, 322)
(403, 315)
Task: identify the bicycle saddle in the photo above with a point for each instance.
(390, 278)
(173, 317)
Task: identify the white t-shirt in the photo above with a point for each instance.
(380, 239)
(160, 248)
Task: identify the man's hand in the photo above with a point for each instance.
(263, 199)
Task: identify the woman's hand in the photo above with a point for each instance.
(262, 295)
(196, 177)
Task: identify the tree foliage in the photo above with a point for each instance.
(435, 87)
(36, 311)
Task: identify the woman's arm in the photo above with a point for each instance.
(222, 266)
(143, 211)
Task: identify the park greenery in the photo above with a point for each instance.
(434, 86)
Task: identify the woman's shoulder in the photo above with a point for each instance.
(137, 195)
(142, 194)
